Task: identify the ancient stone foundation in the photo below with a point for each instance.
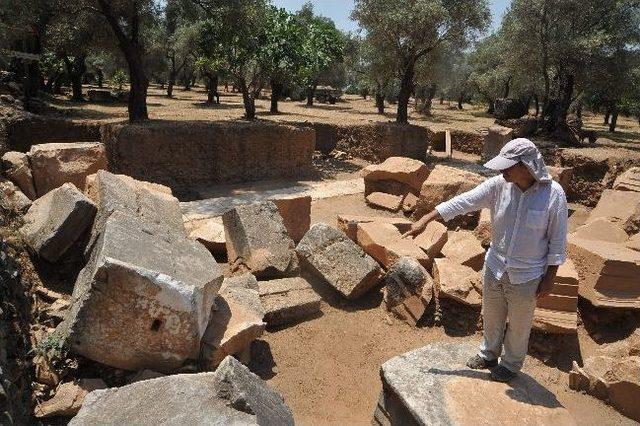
(185, 155)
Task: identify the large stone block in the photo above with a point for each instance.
(230, 395)
(495, 139)
(349, 223)
(432, 386)
(384, 243)
(608, 272)
(464, 248)
(562, 175)
(408, 289)
(53, 164)
(330, 254)
(443, 183)
(68, 398)
(618, 206)
(258, 242)
(296, 214)
(628, 181)
(144, 298)
(11, 198)
(432, 239)
(16, 167)
(288, 300)
(57, 220)
(210, 233)
(601, 229)
(236, 321)
(208, 152)
(457, 282)
(381, 200)
(407, 171)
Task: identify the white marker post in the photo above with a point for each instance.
(447, 143)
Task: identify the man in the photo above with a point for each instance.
(529, 238)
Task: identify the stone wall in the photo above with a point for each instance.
(188, 155)
(461, 141)
(19, 130)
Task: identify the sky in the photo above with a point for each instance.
(339, 10)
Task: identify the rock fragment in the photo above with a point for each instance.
(628, 181)
(557, 312)
(296, 214)
(601, 229)
(258, 242)
(380, 200)
(288, 300)
(443, 183)
(331, 255)
(464, 248)
(483, 229)
(562, 175)
(409, 173)
(432, 239)
(210, 233)
(54, 164)
(349, 223)
(56, 221)
(495, 139)
(385, 244)
(409, 204)
(618, 206)
(408, 289)
(68, 398)
(11, 198)
(457, 282)
(17, 168)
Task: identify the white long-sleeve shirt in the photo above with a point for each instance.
(528, 229)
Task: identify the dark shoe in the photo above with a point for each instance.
(478, 363)
(502, 374)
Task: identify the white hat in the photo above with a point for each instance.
(520, 150)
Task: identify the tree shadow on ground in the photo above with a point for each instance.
(207, 105)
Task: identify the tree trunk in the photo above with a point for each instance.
(406, 87)
(537, 103)
(614, 118)
(311, 92)
(380, 101)
(76, 70)
(441, 100)
(579, 111)
(248, 100)
(212, 89)
(276, 89)
(138, 94)
(507, 88)
(460, 99)
(171, 83)
(607, 114)
(100, 76)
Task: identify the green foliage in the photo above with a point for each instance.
(118, 79)
(52, 348)
(282, 54)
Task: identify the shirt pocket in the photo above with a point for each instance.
(537, 219)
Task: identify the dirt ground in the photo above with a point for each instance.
(327, 368)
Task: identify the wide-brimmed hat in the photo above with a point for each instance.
(520, 150)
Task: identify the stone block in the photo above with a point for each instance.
(601, 229)
(56, 221)
(407, 171)
(608, 272)
(409, 203)
(577, 218)
(210, 233)
(464, 248)
(144, 299)
(618, 206)
(258, 242)
(11, 198)
(443, 183)
(495, 139)
(432, 239)
(296, 214)
(330, 254)
(562, 175)
(634, 243)
(17, 169)
(68, 398)
(408, 289)
(235, 322)
(349, 223)
(91, 185)
(230, 395)
(53, 164)
(628, 181)
(288, 300)
(457, 282)
(380, 200)
(384, 243)
(100, 95)
(483, 229)
(432, 386)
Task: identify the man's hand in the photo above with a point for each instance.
(546, 285)
(419, 226)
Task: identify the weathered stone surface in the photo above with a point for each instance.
(432, 386)
(457, 282)
(562, 175)
(296, 214)
(16, 167)
(608, 272)
(330, 254)
(11, 198)
(349, 223)
(380, 200)
(236, 321)
(53, 164)
(399, 169)
(601, 229)
(91, 188)
(409, 203)
(557, 313)
(432, 239)
(634, 243)
(230, 395)
(68, 398)
(613, 375)
(464, 248)
(258, 242)
(483, 229)
(288, 300)
(628, 181)
(144, 375)
(210, 233)
(144, 298)
(408, 289)
(384, 243)
(617, 206)
(443, 183)
(495, 139)
(577, 217)
(57, 220)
